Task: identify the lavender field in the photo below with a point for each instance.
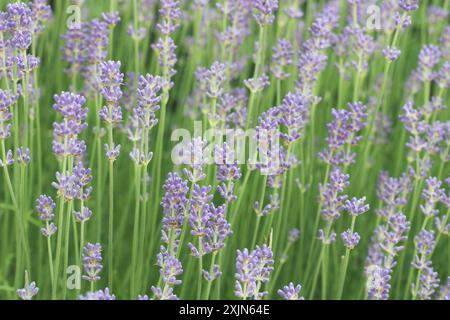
(225, 149)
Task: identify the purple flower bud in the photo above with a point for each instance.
(264, 11)
(379, 283)
(23, 155)
(171, 14)
(111, 18)
(429, 57)
(92, 261)
(45, 206)
(19, 22)
(429, 282)
(432, 194)
(409, 5)
(41, 12)
(98, 295)
(170, 268)
(282, 57)
(28, 292)
(110, 81)
(291, 292)
(48, 230)
(391, 54)
(258, 84)
(166, 58)
(356, 207)
(215, 274)
(174, 201)
(82, 216)
(112, 151)
(252, 268)
(164, 294)
(350, 238)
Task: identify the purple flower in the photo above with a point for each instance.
(166, 294)
(245, 285)
(291, 292)
(391, 54)
(252, 269)
(7, 100)
(83, 215)
(9, 159)
(350, 238)
(28, 292)
(73, 49)
(170, 268)
(65, 134)
(166, 59)
(111, 18)
(432, 194)
(23, 155)
(293, 114)
(425, 242)
(310, 64)
(41, 12)
(217, 229)
(258, 84)
(195, 155)
(110, 81)
(391, 235)
(95, 41)
(429, 282)
(356, 207)
(99, 295)
(393, 193)
(281, 58)
(148, 97)
(342, 132)
(379, 283)
(199, 216)
(174, 201)
(112, 151)
(429, 56)
(215, 274)
(49, 229)
(92, 261)
(45, 206)
(213, 79)
(226, 162)
(331, 198)
(409, 5)
(19, 22)
(443, 76)
(171, 14)
(264, 11)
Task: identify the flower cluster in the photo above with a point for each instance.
(343, 134)
(92, 261)
(110, 82)
(281, 59)
(252, 270)
(45, 206)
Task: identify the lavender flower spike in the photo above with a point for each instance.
(92, 261)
